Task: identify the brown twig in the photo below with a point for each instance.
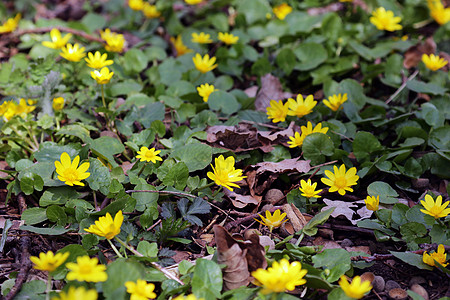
(392, 97)
(346, 228)
(248, 218)
(62, 29)
(381, 257)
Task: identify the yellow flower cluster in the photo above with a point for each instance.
(372, 202)
(115, 42)
(70, 172)
(204, 64)
(180, 48)
(438, 12)
(145, 154)
(205, 38)
(10, 109)
(436, 209)
(297, 139)
(341, 180)
(57, 41)
(308, 189)
(48, 261)
(150, 11)
(140, 290)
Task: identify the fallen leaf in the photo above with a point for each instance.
(342, 208)
(327, 244)
(271, 89)
(241, 201)
(293, 164)
(295, 216)
(414, 54)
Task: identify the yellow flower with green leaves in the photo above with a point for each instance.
(228, 38)
(69, 172)
(308, 189)
(280, 277)
(58, 103)
(57, 41)
(435, 208)
(72, 52)
(341, 180)
(297, 139)
(86, 269)
(103, 76)
(136, 4)
(372, 202)
(440, 256)
(282, 10)
(356, 289)
(180, 48)
(11, 24)
(334, 102)
(224, 173)
(204, 64)
(77, 293)
(385, 20)
(106, 226)
(272, 221)
(98, 60)
(301, 107)
(205, 90)
(201, 38)
(145, 154)
(438, 12)
(48, 261)
(10, 109)
(188, 297)
(277, 111)
(150, 11)
(140, 290)
(115, 42)
(433, 62)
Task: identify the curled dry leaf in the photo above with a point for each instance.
(294, 215)
(271, 89)
(343, 208)
(414, 54)
(241, 201)
(300, 166)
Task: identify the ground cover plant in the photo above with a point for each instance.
(224, 149)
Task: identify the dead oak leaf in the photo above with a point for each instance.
(271, 89)
(300, 166)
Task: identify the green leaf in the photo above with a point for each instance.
(148, 249)
(427, 88)
(412, 259)
(364, 144)
(254, 10)
(56, 214)
(286, 60)
(6, 227)
(311, 227)
(173, 174)
(145, 200)
(207, 279)
(51, 152)
(75, 130)
(385, 191)
(58, 195)
(57, 230)
(125, 88)
(34, 215)
(135, 61)
(310, 55)
(100, 178)
(223, 101)
(196, 156)
(119, 272)
(337, 260)
(431, 115)
(151, 112)
(199, 206)
(316, 146)
(354, 91)
(27, 184)
(106, 147)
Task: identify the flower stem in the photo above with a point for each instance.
(49, 287)
(103, 96)
(203, 187)
(300, 238)
(141, 170)
(130, 248)
(217, 192)
(114, 248)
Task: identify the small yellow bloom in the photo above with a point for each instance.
(280, 277)
(384, 20)
(69, 172)
(435, 209)
(98, 60)
(334, 102)
(103, 76)
(57, 40)
(150, 11)
(136, 4)
(193, 2)
(356, 289)
(228, 38)
(340, 180)
(86, 269)
(10, 109)
(115, 42)
(179, 46)
(48, 261)
(272, 221)
(58, 103)
(438, 12)
(11, 24)
(440, 256)
(345, 0)
(205, 90)
(140, 290)
(301, 107)
(147, 155)
(204, 64)
(188, 297)
(297, 139)
(433, 62)
(72, 53)
(106, 226)
(308, 189)
(277, 111)
(224, 173)
(372, 202)
(282, 10)
(79, 293)
(201, 38)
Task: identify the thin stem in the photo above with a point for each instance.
(203, 187)
(141, 170)
(300, 238)
(413, 75)
(36, 143)
(49, 287)
(114, 248)
(103, 96)
(217, 192)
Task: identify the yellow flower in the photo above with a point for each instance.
(282, 10)
(334, 102)
(150, 11)
(372, 202)
(48, 261)
(277, 111)
(193, 2)
(69, 172)
(72, 53)
(205, 90)
(188, 297)
(202, 38)
(147, 155)
(79, 293)
(106, 226)
(340, 180)
(136, 4)
(114, 41)
(57, 41)
(309, 190)
(297, 139)
(438, 12)
(433, 62)
(98, 60)
(435, 209)
(272, 221)
(384, 20)
(10, 109)
(301, 107)
(281, 276)
(11, 24)
(103, 76)
(58, 103)
(356, 289)
(228, 38)
(225, 173)
(440, 256)
(86, 269)
(179, 46)
(140, 290)
(345, 0)
(204, 64)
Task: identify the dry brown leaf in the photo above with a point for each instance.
(342, 208)
(327, 244)
(241, 201)
(414, 54)
(271, 89)
(293, 164)
(314, 11)
(295, 216)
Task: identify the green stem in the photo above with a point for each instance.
(103, 96)
(300, 238)
(337, 113)
(130, 248)
(114, 248)
(217, 192)
(49, 287)
(33, 138)
(141, 170)
(203, 187)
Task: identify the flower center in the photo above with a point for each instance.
(85, 269)
(70, 175)
(340, 182)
